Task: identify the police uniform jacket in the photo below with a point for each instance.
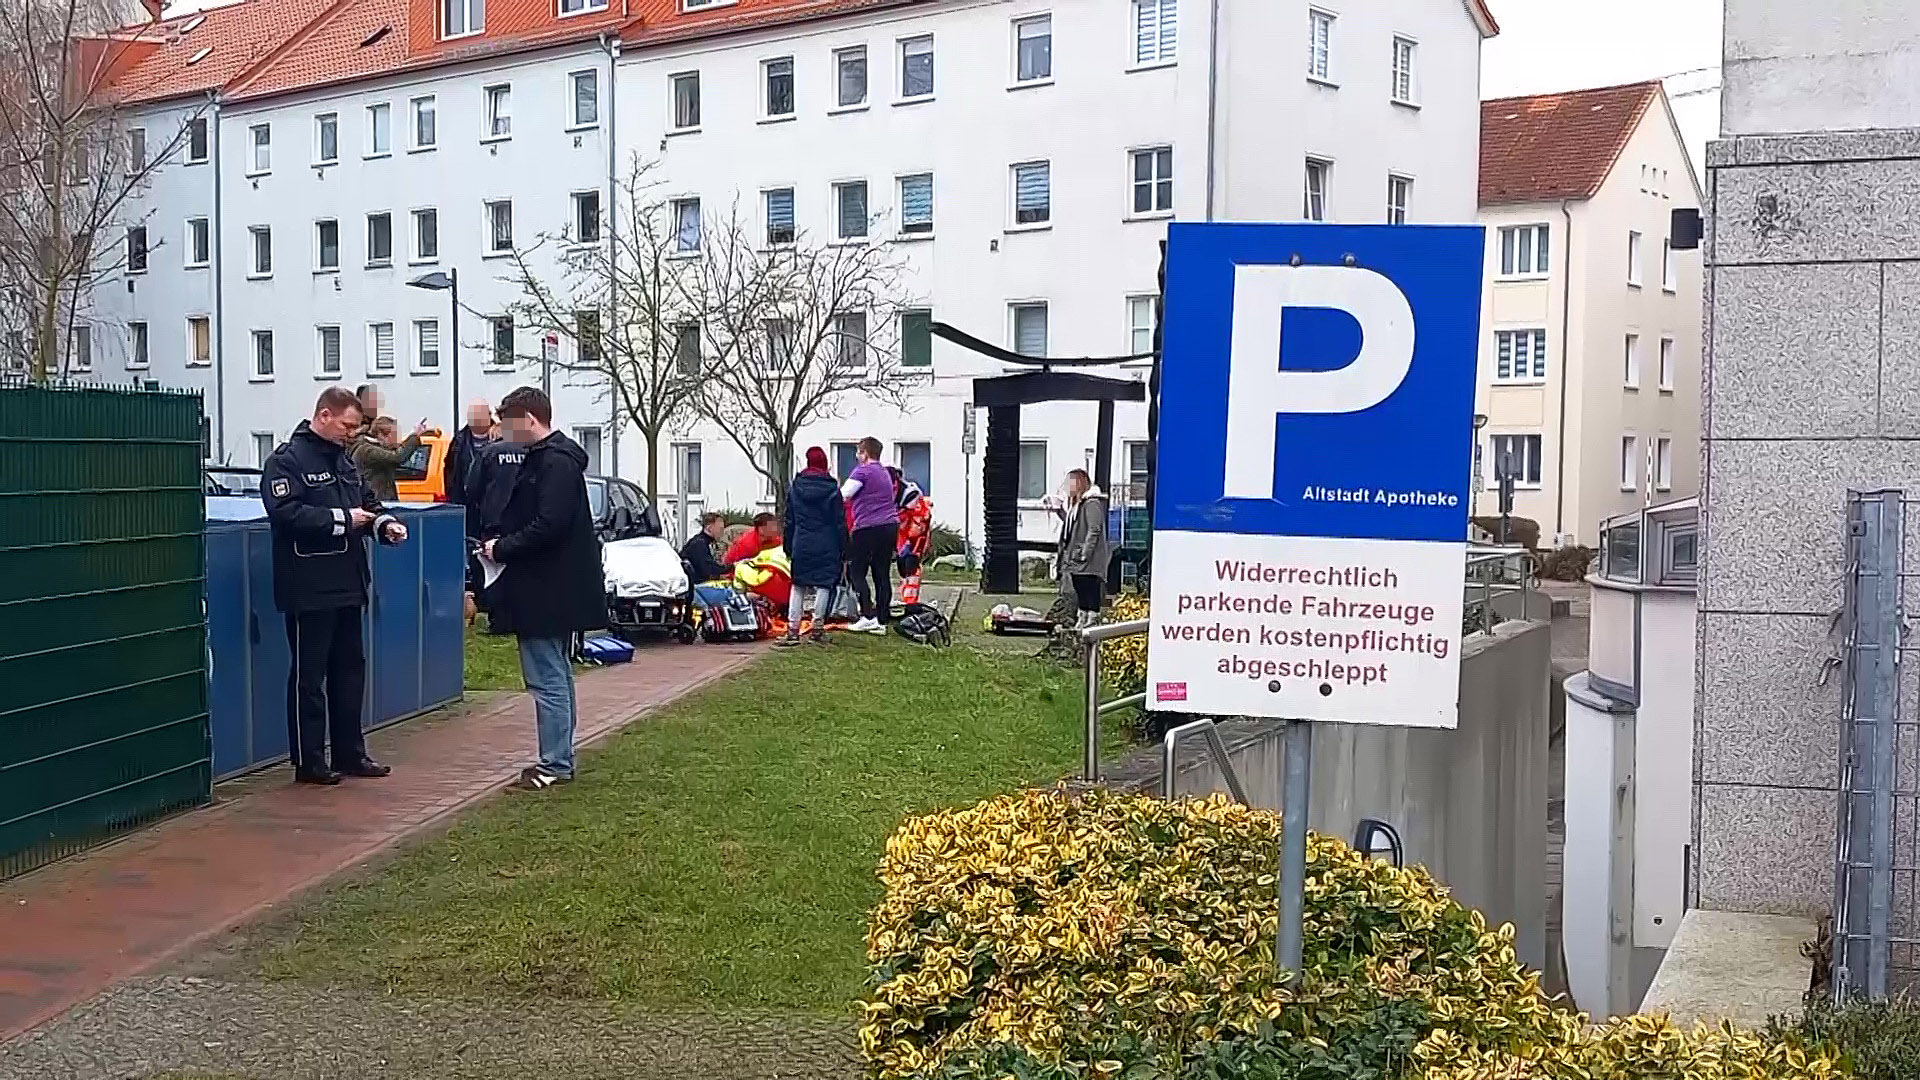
(309, 486)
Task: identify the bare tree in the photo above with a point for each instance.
(792, 331)
(70, 167)
(569, 280)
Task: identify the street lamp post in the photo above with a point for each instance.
(450, 282)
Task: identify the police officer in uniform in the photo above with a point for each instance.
(321, 514)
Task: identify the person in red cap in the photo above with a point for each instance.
(815, 532)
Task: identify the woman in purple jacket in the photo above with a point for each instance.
(868, 491)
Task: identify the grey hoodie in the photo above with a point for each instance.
(1084, 548)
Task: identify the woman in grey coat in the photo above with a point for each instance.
(1085, 550)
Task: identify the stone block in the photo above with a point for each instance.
(1766, 850)
(1765, 718)
(1818, 147)
(1771, 345)
(1841, 211)
(1726, 965)
(1900, 351)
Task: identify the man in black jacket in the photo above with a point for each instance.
(321, 514)
(461, 454)
(551, 585)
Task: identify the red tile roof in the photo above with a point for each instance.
(1557, 146)
(233, 36)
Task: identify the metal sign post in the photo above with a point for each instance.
(1292, 583)
(968, 423)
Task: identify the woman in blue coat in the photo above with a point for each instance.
(814, 533)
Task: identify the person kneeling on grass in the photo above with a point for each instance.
(551, 586)
(815, 529)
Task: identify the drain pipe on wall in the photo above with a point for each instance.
(1566, 351)
(217, 333)
(1213, 98)
(612, 211)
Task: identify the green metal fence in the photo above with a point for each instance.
(103, 645)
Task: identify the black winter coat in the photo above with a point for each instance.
(460, 460)
(489, 483)
(814, 531)
(309, 485)
(553, 584)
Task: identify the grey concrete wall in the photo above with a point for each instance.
(1812, 387)
(1470, 804)
(1791, 66)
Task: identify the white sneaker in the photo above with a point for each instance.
(866, 624)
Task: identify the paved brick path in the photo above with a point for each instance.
(74, 929)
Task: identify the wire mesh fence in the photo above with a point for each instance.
(102, 628)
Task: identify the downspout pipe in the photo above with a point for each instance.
(1213, 101)
(1566, 353)
(218, 332)
(611, 210)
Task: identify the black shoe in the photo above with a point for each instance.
(366, 768)
(322, 777)
(535, 778)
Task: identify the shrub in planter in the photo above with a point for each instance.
(1522, 531)
(1639, 1048)
(1569, 563)
(1124, 660)
(1876, 1040)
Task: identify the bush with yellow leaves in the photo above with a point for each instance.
(1044, 936)
(1636, 1048)
(1124, 660)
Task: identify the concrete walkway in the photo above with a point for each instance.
(75, 929)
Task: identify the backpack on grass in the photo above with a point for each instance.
(923, 625)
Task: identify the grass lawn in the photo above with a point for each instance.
(493, 661)
(718, 855)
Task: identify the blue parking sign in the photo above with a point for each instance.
(1312, 481)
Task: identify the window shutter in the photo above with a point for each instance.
(429, 337)
(1031, 192)
(1169, 28)
(330, 351)
(383, 346)
(1539, 354)
(1030, 331)
(916, 201)
(1505, 369)
(780, 210)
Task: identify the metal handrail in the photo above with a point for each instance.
(1092, 637)
(1212, 731)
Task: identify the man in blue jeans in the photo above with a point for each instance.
(551, 585)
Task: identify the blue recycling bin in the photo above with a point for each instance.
(415, 629)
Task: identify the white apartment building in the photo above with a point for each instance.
(1026, 155)
(1590, 361)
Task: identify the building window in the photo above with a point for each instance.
(1139, 325)
(1320, 45)
(686, 100)
(1630, 373)
(326, 359)
(1033, 471)
(1033, 49)
(1629, 463)
(1663, 464)
(1523, 251)
(916, 464)
(575, 7)
(1399, 190)
(686, 225)
(1033, 193)
(426, 344)
(379, 130)
(426, 235)
(686, 348)
(1156, 31)
(689, 458)
(586, 217)
(1633, 259)
(502, 355)
(916, 204)
(1517, 456)
(138, 355)
(263, 354)
(199, 341)
(589, 440)
(137, 249)
(199, 243)
(263, 443)
(585, 99)
(197, 141)
(1669, 267)
(1666, 365)
(586, 336)
(850, 340)
(1153, 180)
(1314, 201)
(500, 227)
(326, 245)
(916, 338)
(1139, 466)
(461, 17)
(850, 77)
(1520, 355)
(1030, 329)
(262, 136)
(779, 216)
(916, 68)
(326, 139)
(380, 345)
(82, 347)
(1403, 85)
(499, 100)
(262, 250)
(779, 346)
(850, 218)
(426, 133)
(380, 239)
(778, 75)
(136, 151)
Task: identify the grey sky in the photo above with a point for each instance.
(1549, 45)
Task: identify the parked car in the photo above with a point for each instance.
(232, 480)
(621, 510)
(422, 477)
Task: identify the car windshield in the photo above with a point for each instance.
(597, 498)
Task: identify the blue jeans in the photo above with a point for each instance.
(547, 667)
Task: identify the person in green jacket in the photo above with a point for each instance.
(379, 452)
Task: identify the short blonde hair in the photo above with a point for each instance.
(384, 426)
